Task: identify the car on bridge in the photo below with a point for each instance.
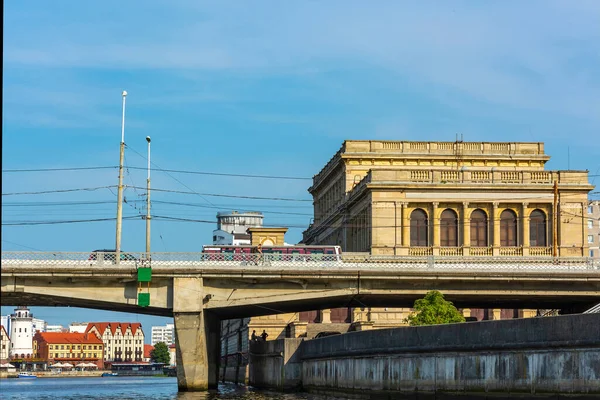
(109, 255)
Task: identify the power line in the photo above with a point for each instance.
(226, 174)
(58, 191)
(229, 195)
(57, 169)
(74, 221)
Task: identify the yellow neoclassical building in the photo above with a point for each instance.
(448, 198)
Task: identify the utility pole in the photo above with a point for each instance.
(148, 204)
(555, 221)
(120, 188)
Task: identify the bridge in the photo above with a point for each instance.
(198, 290)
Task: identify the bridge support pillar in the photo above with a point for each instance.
(197, 337)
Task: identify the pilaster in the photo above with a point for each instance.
(466, 230)
(434, 223)
(495, 220)
(525, 225)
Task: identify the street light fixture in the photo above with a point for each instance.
(120, 188)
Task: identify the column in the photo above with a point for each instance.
(405, 225)
(525, 225)
(326, 316)
(434, 222)
(495, 220)
(466, 230)
(466, 312)
(197, 337)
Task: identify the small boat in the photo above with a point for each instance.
(105, 374)
(27, 375)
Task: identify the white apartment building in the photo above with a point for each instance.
(78, 327)
(38, 325)
(165, 334)
(54, 328)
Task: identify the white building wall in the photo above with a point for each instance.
(54, 328)
(5, 322)
(21, 335)
(4, 344)
(78, 327)
(38, 325)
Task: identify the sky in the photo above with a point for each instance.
(265, 88)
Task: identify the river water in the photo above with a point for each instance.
(129, 388)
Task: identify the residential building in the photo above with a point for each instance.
(123, 341)
(165, 334)
(593, 225)
(232, 227)
(72, 348)
(78, 327)
(4, 344)
(21, 335)
(147, 350)
(5, 322)
(403, 198)
(173, 355)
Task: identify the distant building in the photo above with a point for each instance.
(78, 327)
(38, 325)
(21, 323)
(593, 224)
(173, 354)
(147, 350)
(232, 227)
(4, 344)
(123, 341)
(72, 348)
(165, 334)
(55, 328)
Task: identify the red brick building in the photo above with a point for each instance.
(73, 348)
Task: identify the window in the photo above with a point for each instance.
(590, 223)
(418, 228)
(590, 238)
(479, 229)
(537, 229)
(590, 209)
(508, 228)
(449, 228)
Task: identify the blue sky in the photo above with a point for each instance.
(267, 88)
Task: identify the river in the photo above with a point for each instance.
(129, 388)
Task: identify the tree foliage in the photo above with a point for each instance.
(160, 353)
(433, 310)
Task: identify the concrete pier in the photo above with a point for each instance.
(535, 356)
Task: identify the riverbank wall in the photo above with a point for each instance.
(533, 356)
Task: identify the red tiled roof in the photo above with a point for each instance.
(147, 349)
(113, 326)
(67, 337)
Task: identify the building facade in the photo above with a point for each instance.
(72, 348)
(593, 221)
(401, 198)
(78, 327)
(4, 344)
(123, 341)
(165, 334)
(232, 227)
(448, 198)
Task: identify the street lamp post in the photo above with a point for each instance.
(120, 188)
(148, 204)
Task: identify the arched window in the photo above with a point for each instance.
(508, 228)
(479, 229)
(537, 229)
(418, 228)
(449, 228)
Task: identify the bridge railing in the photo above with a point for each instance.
(293, 261)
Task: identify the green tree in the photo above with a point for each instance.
(160, 353)
(433, 310)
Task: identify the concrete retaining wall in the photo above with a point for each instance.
(535, 355)
(276, 364)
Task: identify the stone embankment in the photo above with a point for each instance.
(546, 356)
